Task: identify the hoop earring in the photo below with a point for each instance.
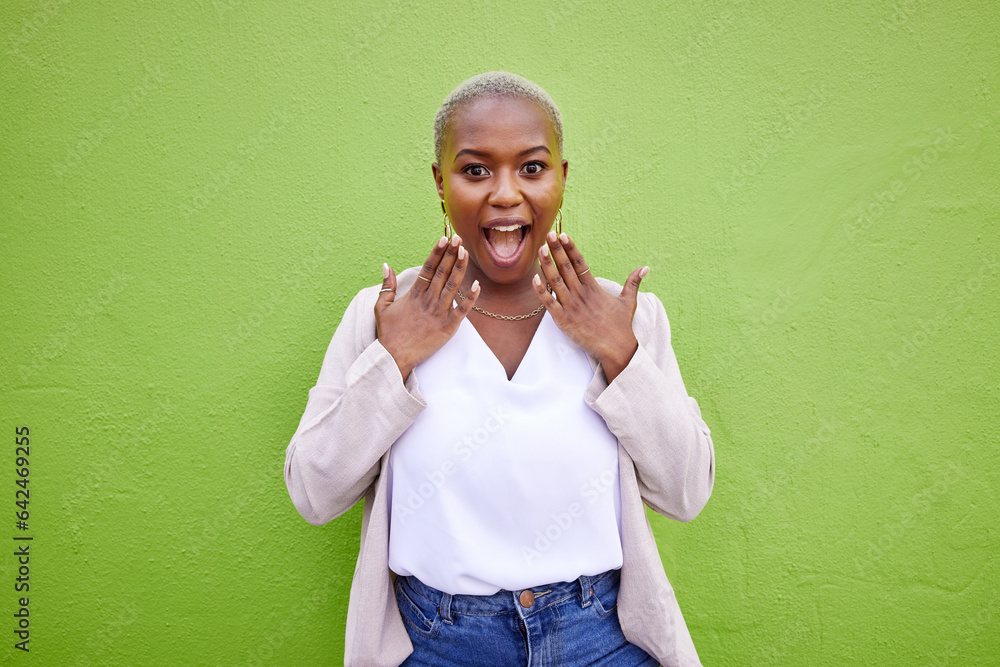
(447, 227)
(559, 221)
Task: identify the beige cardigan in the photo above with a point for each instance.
(360, 406)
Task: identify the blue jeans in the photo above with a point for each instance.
(565, 624)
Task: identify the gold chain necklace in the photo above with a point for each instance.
(509, 318)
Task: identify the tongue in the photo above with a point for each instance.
(505, 243)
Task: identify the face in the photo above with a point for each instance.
(501, 181)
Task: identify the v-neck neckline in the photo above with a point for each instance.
(527, 353)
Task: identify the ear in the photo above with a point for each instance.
(565, 168)
(438, 179)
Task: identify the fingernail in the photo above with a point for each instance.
(385, 270)
(645, 270)
(461, 252)
(545, 252)
(455, 240)
(551, 236)
(442, 242)
(564, 238)
(536, 280)
(475, 286)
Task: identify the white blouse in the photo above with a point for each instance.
(504, 484)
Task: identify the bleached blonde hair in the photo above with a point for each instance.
(493, 84)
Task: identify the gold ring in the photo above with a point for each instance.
(424, 279)
(386, 289)
(580, 275)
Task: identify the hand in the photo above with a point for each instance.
(597, 321)
(423, 320)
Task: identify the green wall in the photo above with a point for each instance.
(192, 192)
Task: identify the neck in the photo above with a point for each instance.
(509, 298)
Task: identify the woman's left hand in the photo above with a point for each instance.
(597, 321)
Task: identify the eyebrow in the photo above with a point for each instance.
(472, 151)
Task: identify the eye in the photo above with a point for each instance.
(475, 170)
(533, 168)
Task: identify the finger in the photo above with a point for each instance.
(387, 294)
(580, 267)
(426, 274)
(466, 304)
(631, 290)
(443, 271)
(552, 274)
(454, 282)
(549, 301)
(562, 261)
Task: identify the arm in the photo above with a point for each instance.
(357, 409)
(647, 407)
(638, 388)
(361, 403)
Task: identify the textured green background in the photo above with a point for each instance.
(191, 193)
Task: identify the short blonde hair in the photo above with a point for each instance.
(489, 84)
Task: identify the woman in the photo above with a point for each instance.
(504, 414)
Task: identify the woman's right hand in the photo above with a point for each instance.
(420, 322)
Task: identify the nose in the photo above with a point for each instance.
(507, 192)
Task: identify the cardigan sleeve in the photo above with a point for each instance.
(358, 408)
(654, 419)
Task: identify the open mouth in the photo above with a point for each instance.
(506, 242)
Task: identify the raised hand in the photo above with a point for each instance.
(420, 322)
(597, 321)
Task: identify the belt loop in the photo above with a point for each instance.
(585, 590)
(445, 607)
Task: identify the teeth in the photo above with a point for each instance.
(508, 228)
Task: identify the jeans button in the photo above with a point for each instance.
(527, 598)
